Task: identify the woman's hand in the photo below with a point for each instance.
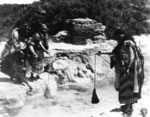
(35, 55)
(127, 71)
(47, 52)
(99, 53)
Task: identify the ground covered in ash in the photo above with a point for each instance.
(73, 99)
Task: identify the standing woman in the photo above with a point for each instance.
(123, 60)
(37, 47)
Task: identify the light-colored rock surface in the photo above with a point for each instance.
(12, 96)
(72, 99)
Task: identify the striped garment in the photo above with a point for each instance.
(126, 89)
(128, 84)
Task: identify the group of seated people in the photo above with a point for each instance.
(32, 46)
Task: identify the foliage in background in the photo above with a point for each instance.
(7, 18)
(131, 15)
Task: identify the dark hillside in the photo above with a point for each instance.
(8, 19)
(131, 15)
(128, 14)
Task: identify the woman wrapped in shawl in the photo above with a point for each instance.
(129, 75)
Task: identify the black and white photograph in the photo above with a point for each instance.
(74, 58)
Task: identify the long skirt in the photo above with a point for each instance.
(13, 65)
(37, 64)
(126, 89)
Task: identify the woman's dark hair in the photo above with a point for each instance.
(118, 32)
(128, 36)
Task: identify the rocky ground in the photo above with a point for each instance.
(72, 99)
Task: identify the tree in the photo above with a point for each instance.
(128, 14)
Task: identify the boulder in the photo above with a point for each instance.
(60, 36)
(82, 29)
